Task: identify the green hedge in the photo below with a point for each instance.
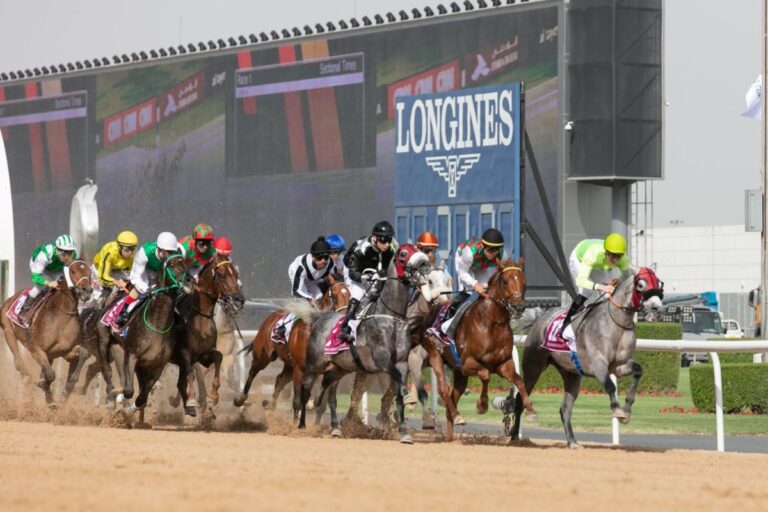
(661, 370)
(745, 386)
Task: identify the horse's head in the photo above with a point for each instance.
(336, 296)
(438, 286)
(80, 277)
(507, 286)
(222, 279)
(648, 289)
(174, 274)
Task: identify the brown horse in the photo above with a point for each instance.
(484, 341)
(151, 339)
(54, 330)
(336, 299)
(196, 347)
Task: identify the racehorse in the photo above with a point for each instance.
(434, 293)
(605, 344)
(382, 345)
(335, 299)
(217, 281)
(484, 341)
(54, 330)
(151, 339)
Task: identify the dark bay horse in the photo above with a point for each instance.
(484, 341)
(217, 281)
(151, 339)
(382, 345)
(54, 330)
(605, 341)
(293, 353)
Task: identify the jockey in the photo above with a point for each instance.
(223, 246)
(147, 264)
(366, 260)
(198, 249)
(47, 266)
(475, 265)
(428, 244)
(591, 264)
(337, 248)
(309, 270)
(113, 262)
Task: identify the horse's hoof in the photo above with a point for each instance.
(410, 399)
(481, 408)
(310, 404)
(213, 401)
(41, 384)
(265, 404)
(428, 424)
(406, 439)
(190, 411)
(623, 421)
(531, 416)
(192, 403)
(120, 400)
(620, 415)
(174, 401)
(574, 446)
(53, 406)
(336, 432)
(239, 400)
(143, 425)
(131, 408)
(459, 420)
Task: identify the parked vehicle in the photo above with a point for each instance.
(732, 330)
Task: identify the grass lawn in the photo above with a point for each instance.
(592, 413)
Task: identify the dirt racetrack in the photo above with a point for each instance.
(46, 467)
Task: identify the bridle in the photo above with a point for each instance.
(504, 304)
(333, 297)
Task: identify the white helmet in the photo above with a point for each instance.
(65, 243)
(167, 241)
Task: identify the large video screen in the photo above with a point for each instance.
(274, 144)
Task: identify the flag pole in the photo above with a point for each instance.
(764, 160)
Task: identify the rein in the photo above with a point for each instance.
(175, 286)
(505, 306)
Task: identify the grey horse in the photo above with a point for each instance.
(382, 345)
(605, 341)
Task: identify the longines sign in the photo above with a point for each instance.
(458, 147)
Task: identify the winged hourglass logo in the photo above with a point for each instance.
(452, 168)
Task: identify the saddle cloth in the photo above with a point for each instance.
(334, 344)
(15, 309)
(287, 321)
(437, 330)
(552, 339)
(110, 317)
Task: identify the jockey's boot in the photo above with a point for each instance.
(575, 307)
(122, 318)
(26, 308)
(280, 331)
(458, 300)
(346, 330)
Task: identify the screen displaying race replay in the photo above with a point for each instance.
(46, 140)
(300, 116)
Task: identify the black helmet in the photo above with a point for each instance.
(383, 228)
(492, 238)
(320, 247)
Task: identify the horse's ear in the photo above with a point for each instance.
(499, 263)
(520, 262)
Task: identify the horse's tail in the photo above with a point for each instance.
(523, 324)
(302, 309)
(246, 348)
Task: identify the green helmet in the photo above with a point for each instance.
(615, 244)
(65, 243)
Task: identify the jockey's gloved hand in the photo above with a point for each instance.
(370, 275)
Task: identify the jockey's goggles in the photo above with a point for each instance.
(384, 239)
(204, 243)
(321, 257)
(130, 248)
(613, 255)
(428, 250)
(492, 250)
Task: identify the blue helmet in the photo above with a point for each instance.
(336, 242)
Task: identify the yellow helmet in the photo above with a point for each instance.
(127, 238)
(615, 244)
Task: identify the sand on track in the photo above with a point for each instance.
(72, 468)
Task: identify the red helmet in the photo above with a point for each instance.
(202, 232)
(428, 239)
(223, 246)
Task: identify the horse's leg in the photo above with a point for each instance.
(13, 345)
(77, 358)
(181, 386)
(444, 389)
(630, 367)
(358, 388)
(415, 366)
(387, 399)
(459, 385)
(472, 367)
(535, 361)
(509, 372)
(335, 430)
(259, 361)
(297, 377)
(147, 380)
(399, 373)
(572, 384)
(213, 357)
(282, 379)
(129, 370)
(90, 373)
(102, 359)
(307, 381)
(48, 374)
(121, 364)
(601, 372)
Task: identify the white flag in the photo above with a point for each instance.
(754, 100)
